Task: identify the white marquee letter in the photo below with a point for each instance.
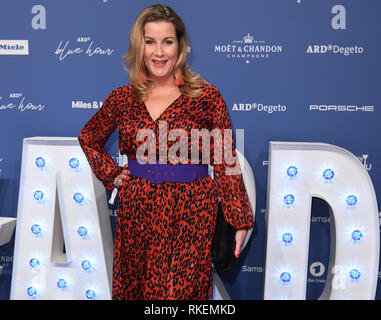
(297, 173)
(63, 245)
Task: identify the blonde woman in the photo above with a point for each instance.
(167, 207)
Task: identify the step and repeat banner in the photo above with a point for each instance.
(289, 70)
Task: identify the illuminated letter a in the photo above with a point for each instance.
(63, 245)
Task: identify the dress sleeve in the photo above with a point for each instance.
(227, 174)
(93, 137)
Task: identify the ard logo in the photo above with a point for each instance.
(83, 39)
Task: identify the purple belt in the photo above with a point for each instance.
(161, 172)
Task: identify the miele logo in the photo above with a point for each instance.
(14, 47)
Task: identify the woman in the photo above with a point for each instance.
(164, 227)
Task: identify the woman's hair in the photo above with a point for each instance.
(137, 69)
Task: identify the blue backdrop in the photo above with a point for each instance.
(289, 70)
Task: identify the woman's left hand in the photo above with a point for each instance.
(240, 237)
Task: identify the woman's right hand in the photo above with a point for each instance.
(122, 176)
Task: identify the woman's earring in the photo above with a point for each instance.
(179, 79)
(143, 79)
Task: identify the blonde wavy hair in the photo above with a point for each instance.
(134, 61)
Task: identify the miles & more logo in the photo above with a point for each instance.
(79, 104)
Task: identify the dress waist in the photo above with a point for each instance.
(161, 172)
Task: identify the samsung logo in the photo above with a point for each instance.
(321, 219)
(14, 47)
(252, 269)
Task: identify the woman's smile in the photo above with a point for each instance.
(159, 63)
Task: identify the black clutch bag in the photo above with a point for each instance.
(223, 244)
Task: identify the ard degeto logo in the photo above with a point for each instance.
(334, 49)
(247, 49)
(260, 107)
(14, 47)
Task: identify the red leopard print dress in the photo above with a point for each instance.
(164, 231)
